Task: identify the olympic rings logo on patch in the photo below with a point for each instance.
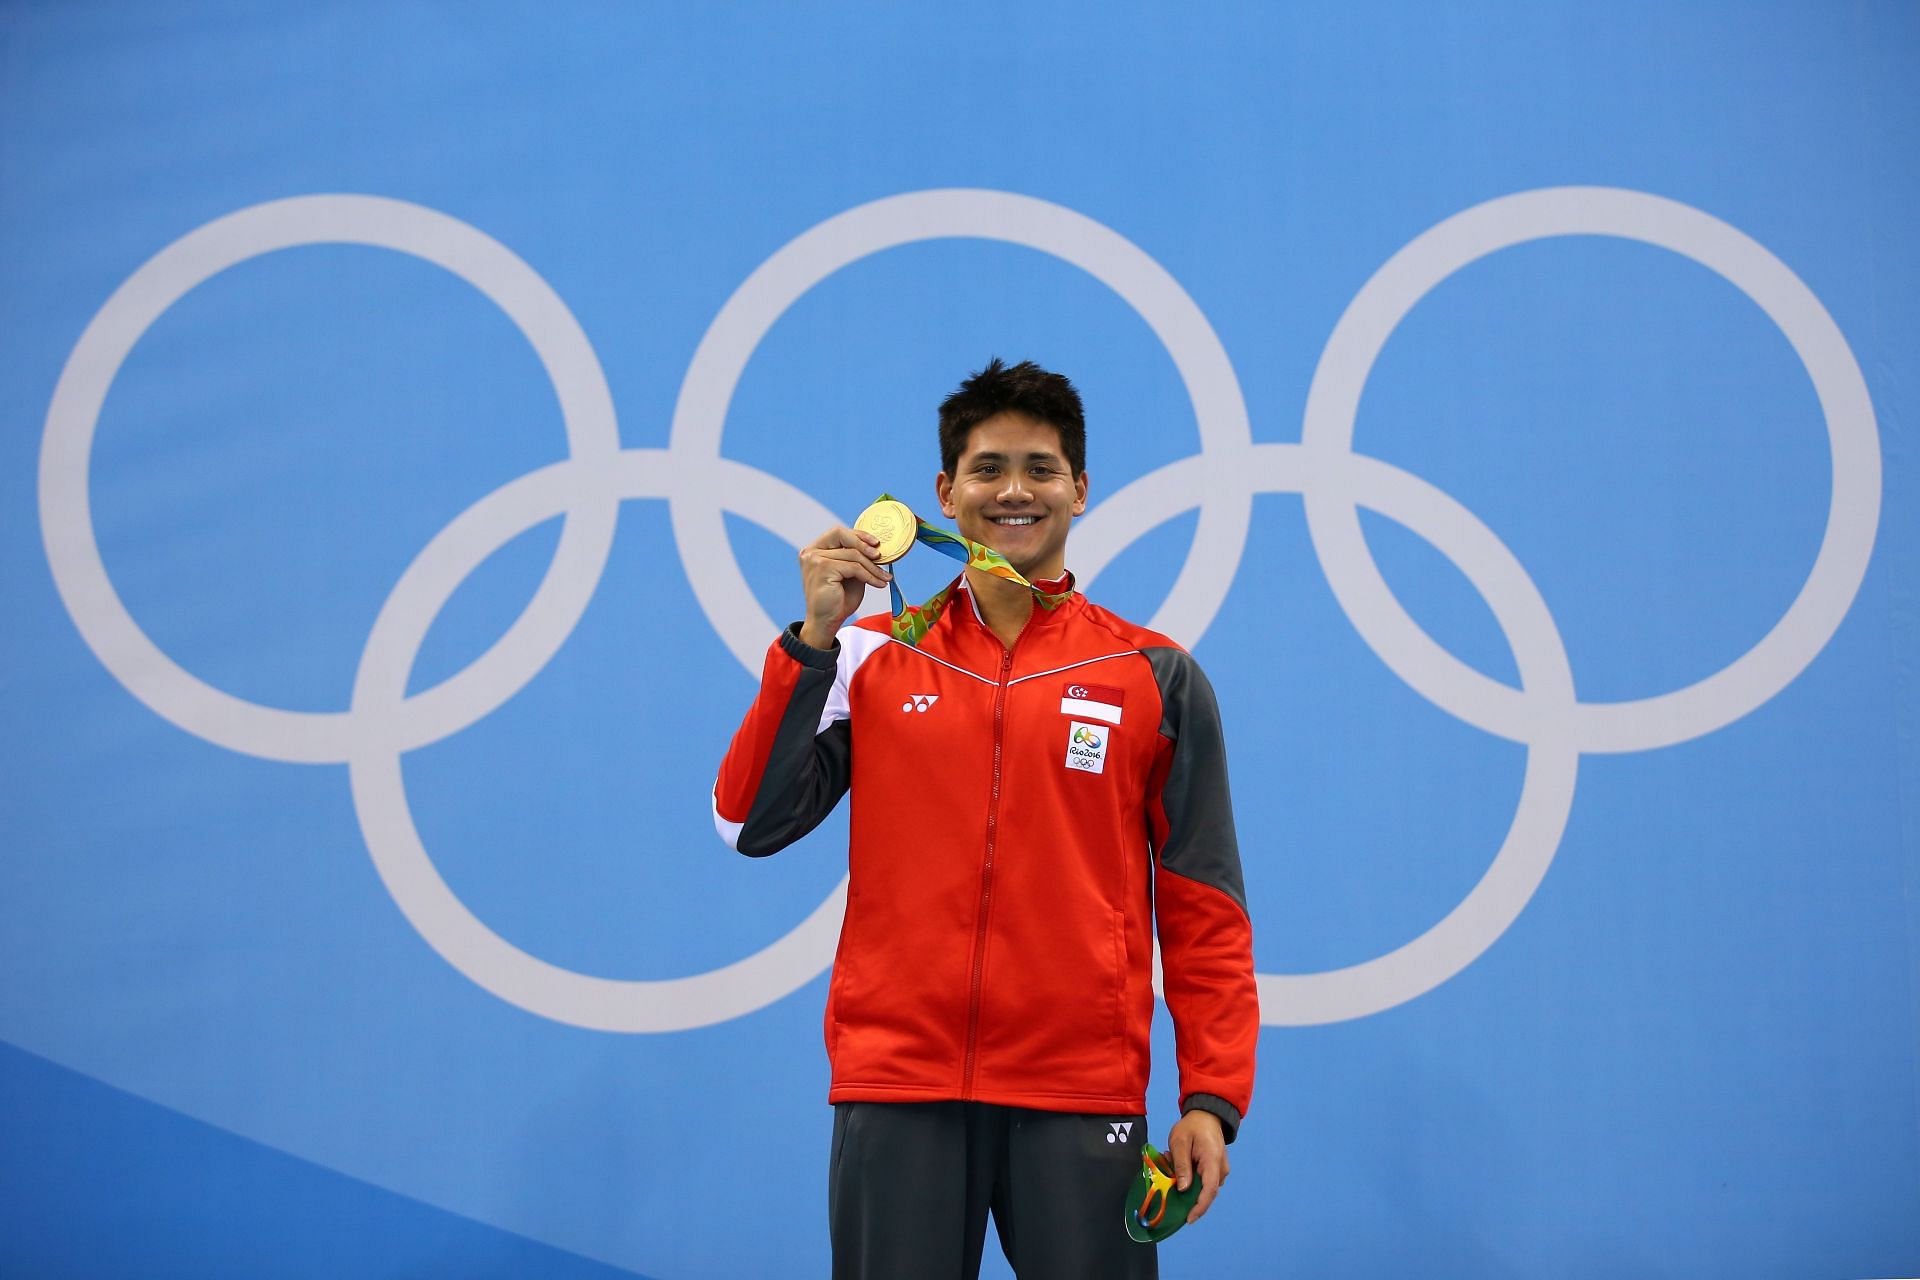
(383, 721)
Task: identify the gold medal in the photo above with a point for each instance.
(891, 522)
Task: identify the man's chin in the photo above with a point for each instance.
(1024, 558)
(1035, 568)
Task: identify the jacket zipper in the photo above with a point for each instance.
(986, 875)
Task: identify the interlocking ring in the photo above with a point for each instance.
(383, 721)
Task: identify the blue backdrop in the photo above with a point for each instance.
(412, 409)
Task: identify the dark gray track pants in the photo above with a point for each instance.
(910, 1184)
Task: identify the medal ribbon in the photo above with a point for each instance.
(912, 621)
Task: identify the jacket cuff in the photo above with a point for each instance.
(1216, 1106)
(805, 654)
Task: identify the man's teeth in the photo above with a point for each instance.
(1014, 519)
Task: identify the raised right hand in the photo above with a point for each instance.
(835, 571)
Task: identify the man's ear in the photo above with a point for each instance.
(943, 490)
(1080, 494)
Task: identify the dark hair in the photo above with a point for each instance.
(1022, 388)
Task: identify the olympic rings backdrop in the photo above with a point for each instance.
(412, 414)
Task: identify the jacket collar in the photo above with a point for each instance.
(1062, 588)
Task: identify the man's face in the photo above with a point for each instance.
(1012, 490)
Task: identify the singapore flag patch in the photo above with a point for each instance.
(1094, 701)
(1087, 747)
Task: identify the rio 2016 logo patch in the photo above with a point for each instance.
(1087, 747)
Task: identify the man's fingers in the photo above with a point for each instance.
(852, 539)
(862, 555)
(837, 564)
(1182, 1154)
(1213, 1172)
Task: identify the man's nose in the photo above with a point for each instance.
(1015, 487)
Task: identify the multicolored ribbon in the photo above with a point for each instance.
(911, 622)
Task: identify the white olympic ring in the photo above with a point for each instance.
(860, 232)
(1853, 513)
(586, 489)
(66, 517)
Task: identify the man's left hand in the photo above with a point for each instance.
(1199, 1144)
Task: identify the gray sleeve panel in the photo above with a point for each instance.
(1228, 1114)
(1200, 843)
(807, 772)
(806, 654)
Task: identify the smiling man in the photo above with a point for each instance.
(1039, 789)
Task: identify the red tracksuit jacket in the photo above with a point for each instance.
(1021, 821)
